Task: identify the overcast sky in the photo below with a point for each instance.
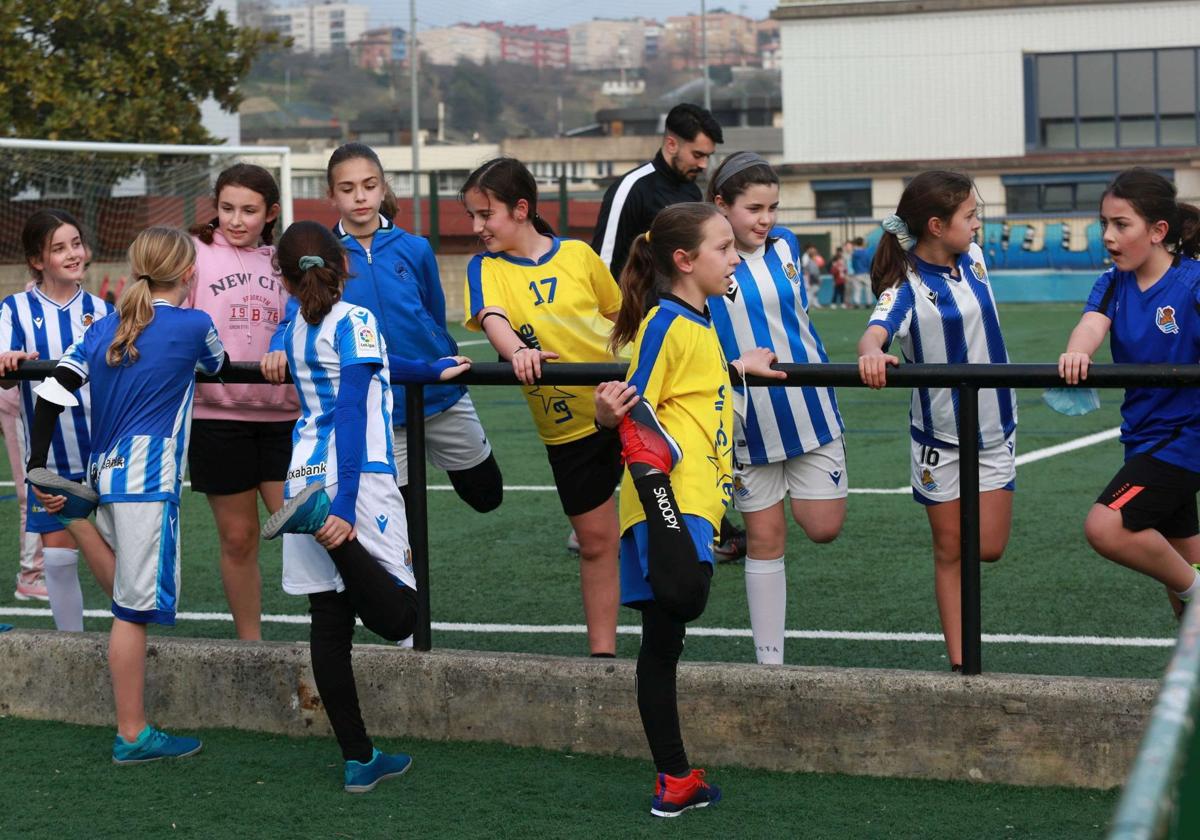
(545, 13)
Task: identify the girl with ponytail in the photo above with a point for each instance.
(1149, 305)
(142, 363)
(346, 547)
(538, 297)
(396, 277)
(242, 434)
(674, 416)
(936, 300)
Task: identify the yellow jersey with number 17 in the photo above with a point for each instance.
(558, 304)
(679, 368)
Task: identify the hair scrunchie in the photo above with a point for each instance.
(145, 277)
(646, 235)
(894, 225)
(307, 262)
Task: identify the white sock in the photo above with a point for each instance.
(1192, 591)
(766, 593)
(62, 585)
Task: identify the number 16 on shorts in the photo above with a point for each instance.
(935, 470)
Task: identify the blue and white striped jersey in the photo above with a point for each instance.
(767, 306)
(142, 410)
(31, 321)
(938, 320)
(348, 335)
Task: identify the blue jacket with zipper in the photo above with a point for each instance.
(397, 280)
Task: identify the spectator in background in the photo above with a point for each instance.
(837, 268)
(859, 277)
(810, 266)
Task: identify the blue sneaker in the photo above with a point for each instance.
(151, 745)
(361, 778)
(4, 628)
(304, 513)
(81, 499)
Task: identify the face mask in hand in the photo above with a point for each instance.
(1073, 402)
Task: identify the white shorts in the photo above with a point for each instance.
(935, 470)
(454, 440)
(144, 536)
(382, 530)
(819, 474)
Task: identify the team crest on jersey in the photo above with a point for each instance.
(739, 486)
(790, 272)
(927, 480)
(88, 318)
(1164, 319)
(978, 270)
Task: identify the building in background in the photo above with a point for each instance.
(732, 41)
(318, 26)
(447, 45)
(541, 48)
(1040, 103)
(379, 48)
(607, 44)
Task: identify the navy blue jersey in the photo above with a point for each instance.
(1158, 325)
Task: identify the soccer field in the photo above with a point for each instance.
(864, 600)
(504, 581)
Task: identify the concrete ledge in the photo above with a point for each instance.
(1080, 732)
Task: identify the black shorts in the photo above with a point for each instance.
(586, 471)
(233, 456)
(1151, 493)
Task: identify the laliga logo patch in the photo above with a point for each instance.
(382, 521)
(927, 480)
(790, 271)
(1165, 320)
(366, 338)
(886, 299)
(979, 272)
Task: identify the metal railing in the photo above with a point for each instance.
(967, 379)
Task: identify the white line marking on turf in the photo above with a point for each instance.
(1027, 458)
(715, 632)
(472, 342)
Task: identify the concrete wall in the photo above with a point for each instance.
(941, 85)
(1070, 731)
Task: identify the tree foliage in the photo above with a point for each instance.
(118, 70)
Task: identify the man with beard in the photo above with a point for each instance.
(632, 202)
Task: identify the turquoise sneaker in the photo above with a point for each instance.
(361, 778)
(151, 745)
(304, 513)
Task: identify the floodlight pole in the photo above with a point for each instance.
(704, 54)
(415, 110)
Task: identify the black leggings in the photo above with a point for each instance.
(385, 608)
(680, 583)
(480, 486)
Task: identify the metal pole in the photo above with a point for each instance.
(968, 502)
(435, 216)
(704, 55)
(415, 108)
(564, 207)
(285, 191)
(418, 510)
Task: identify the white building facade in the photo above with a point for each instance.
(320, 26)
(1041, 102)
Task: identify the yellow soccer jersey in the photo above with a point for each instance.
(557, 304)
(679, 368)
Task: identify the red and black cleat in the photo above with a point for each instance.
(645, 445)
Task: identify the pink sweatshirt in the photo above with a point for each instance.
(243, 294)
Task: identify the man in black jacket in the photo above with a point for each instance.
(632, 202)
